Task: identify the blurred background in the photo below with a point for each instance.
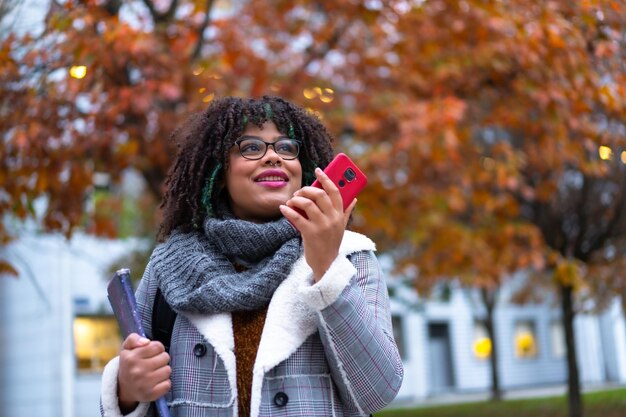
(493, 134)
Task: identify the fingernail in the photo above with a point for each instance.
(318, 170)
(144, 340)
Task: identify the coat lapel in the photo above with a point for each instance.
(217, 329)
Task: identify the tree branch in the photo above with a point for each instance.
(153, 11)
(207, 19)
(170, 11)
(313, 54)
(616, 223)
(161, 17)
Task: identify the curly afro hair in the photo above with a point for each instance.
(204, 141)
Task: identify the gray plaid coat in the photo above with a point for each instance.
(326, 349)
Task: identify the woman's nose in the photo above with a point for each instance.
(271, 156)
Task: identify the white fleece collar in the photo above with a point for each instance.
(289, 322)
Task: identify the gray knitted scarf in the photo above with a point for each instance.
(196, 274)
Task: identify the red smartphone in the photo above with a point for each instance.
(348, 178)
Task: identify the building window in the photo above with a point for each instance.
(557, 339)
(97, 340)
(525, 340)
(398, 335)
(482, 343)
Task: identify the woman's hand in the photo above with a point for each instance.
(144, 373)
(323, 231)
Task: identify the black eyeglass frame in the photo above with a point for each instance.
(267, 145)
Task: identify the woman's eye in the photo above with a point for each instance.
(288, 147)
(250, 147)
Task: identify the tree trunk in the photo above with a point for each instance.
(489, 300)
(567, 309)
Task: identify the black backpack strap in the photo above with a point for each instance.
(163, 318)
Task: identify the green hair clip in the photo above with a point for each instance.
(269, 114)
(207, 191)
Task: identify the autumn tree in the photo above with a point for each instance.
(103, 86)
(487, 113)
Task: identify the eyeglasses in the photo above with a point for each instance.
(252, 147)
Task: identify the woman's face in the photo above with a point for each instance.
(256, 188)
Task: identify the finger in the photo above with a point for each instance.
(134, 341)
(311, 192)
(295, 216)
(330, 187)
(162, 359)
(160, 390)
(348, 212)
(155, 390)
(147, 372)
(151, 350)
(158, 361)
(319, 196)
(161, 374)
(306, 205)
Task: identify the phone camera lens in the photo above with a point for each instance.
(349, 174)
(342, 183)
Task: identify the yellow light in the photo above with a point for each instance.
(623, 157)
(96, 341)
(318, 91)
(329, 91)
(605, 152)
(201, 90)
(78, 71)
(198, 71)
(482, 348)
(82, 328)
(326, 99)
(308, 93)
(208, 98)
(525, 345)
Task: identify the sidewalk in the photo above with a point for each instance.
(511, 394)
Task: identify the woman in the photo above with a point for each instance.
(271, 321)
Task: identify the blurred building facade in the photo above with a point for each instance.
(57, 331)
(445, 348)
